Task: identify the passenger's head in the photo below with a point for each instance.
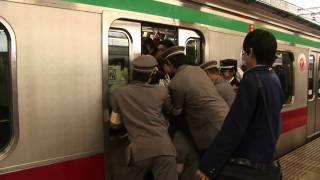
(162, 46)
(212, 70)
(228, 68)
(259, 47)
(147, 46)
(173, 58)
(143, 68)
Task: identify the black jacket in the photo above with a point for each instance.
(245, 132)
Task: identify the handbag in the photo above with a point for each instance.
(247, 170)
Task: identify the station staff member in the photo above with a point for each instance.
(228, 68)
(193, 93)
(224, 88)
(139, 107)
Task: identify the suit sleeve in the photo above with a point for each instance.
(167, 107)
(177, 96)
(232, 131)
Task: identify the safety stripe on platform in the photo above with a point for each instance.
(302, 163)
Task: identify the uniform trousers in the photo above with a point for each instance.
(162, 167)
(186, 155)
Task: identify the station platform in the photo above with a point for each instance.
(302, 163)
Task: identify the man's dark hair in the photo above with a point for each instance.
(144, 46)
(166, 43)
(263, 44)
(178, 60)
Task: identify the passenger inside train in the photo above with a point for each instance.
(161, 77)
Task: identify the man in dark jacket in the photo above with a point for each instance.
(248, 137)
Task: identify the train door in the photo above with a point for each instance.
(314, 94)
(127, 40)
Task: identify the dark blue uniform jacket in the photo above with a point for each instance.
(245, 132)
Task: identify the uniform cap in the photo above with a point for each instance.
(172, 51)
(209, 65)
(228, 63)
(144, 63)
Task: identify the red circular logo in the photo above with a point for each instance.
(301, 64)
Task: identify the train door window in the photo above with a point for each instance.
(193, 51)
(118, 67)
(155, 35)
(311, 77)
(192, 41)
(6, 119)
(283, 67)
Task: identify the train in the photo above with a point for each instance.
(60, 60)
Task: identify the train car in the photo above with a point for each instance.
(61, 60)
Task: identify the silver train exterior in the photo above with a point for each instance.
(59, 73)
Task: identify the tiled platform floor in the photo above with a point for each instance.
(302, 163)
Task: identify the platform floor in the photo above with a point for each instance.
(302, 163)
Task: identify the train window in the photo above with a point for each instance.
(193, 51)
(118, 67)
(8, 122)
(283, 66)
(191, 39)
(311, 77)
(155, 34)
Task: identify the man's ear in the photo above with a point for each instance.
(251, 52)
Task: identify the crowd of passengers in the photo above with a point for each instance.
(201, 118)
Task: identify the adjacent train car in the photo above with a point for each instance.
(61, 60)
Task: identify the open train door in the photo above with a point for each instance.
(314, 95)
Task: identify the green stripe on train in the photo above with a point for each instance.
(190, 15)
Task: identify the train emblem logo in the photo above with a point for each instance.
(302, 62)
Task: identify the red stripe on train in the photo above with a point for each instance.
(294, 119)
(93, 167)
(80, 169)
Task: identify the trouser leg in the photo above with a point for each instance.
(190, 167)
(164, 168)
(139, 169)
(186, 155)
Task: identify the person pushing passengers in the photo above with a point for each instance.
(194, 95)
(223, 86)
(139, 106)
